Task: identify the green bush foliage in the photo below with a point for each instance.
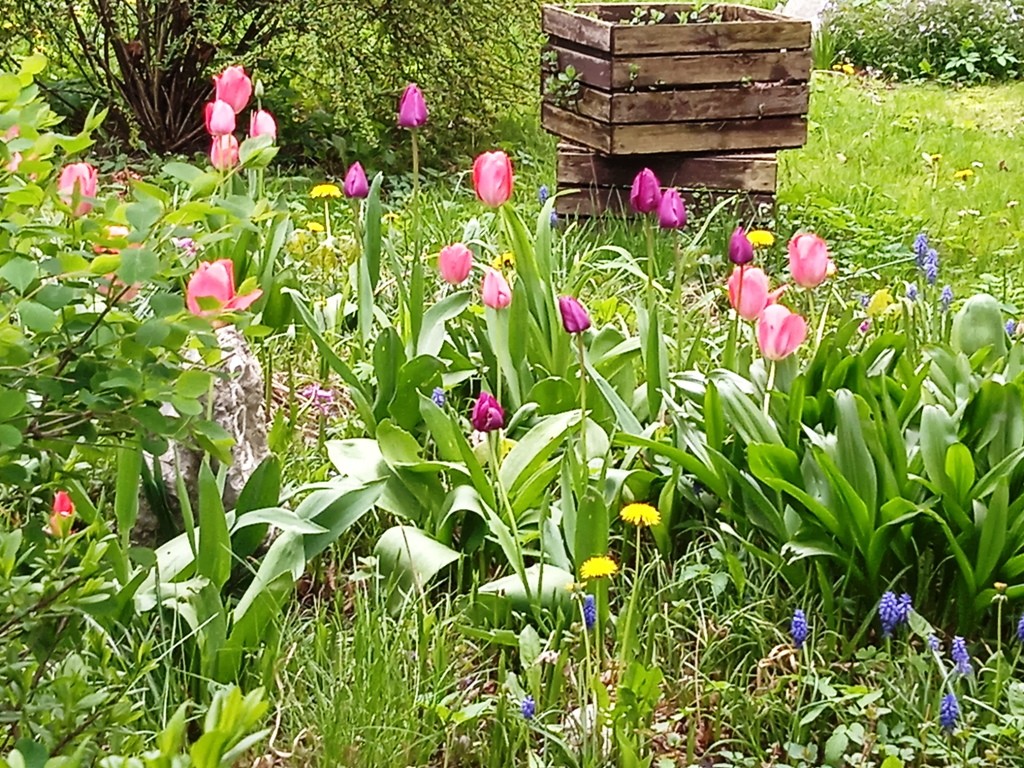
(968, 41)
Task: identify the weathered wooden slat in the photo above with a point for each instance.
(615, 201)
(578, 129)
(712, 68)
(724, 136)
(748, 172)
(585, 30)
(709, 38)
(758, 100)
(591, 68)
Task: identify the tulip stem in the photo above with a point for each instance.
(416, 284)
(769, 385)
(495, 438)
(677, 300)
(821, 325)
(583, 409)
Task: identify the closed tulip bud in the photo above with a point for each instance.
(780, 332)
(741, 250)
(574, 317)
(492, 178)
(454, 263)
(488, 414)
(356, 186)
(809, 262)
(233, 86)
(262, 123)
(224, 152)
(61, 516)
(221, 120)
(214, 283)
(496, 292)
(671, 210)
(412, 109)
(78, 181)
(646, 192)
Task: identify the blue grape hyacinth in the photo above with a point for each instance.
(891, 612)
(528, 707)
(589, 611)
(543, 194)
(798, 629)
(438, 397)
(912, 291)
(949, 712)
(920, 249)
(934, 643)
(1020, 629)
(962, 659)
(946, 298)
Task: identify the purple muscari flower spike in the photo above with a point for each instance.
(889, 612)
(949, 711)
(589, 611)
(931, 266)
(962, 659)
(920, 249)
(906, 605)
(543, 194)
(554, 219)
(528, 707)
(912, 291)
(438, 397)
(946, 298)
(798, 629)
(864, 300)
(1020, 629)
(1011, 327)
(934, 643)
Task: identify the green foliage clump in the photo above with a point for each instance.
(968, 41)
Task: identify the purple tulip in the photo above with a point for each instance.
(412, 109)
(356, 185)
(646, 192)
(672, 210)
(487, 413)
(574, 317)
(741, 250)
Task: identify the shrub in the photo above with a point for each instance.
(959, 40)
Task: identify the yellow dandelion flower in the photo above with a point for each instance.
(315, 226)
(880, 302)
(505, 262)
(760, 238)
(324, 191)
(963, 175)
(598, 567)
(848, 69)
(640, 514)
(837, 67)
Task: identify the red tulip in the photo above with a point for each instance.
(262, 123)
(77, 181)
(224, 152)
(496, 292)
(645, 196)
(356, 185)
(233, 86)
(809, 262)
(492, 178)
(488, 414)
(780, 332)
(574, 317)
(454, 263)
(220, 119)
(216, 280)
(61, 516)
(412, 109)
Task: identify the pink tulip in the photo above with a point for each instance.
(220, 119)
(233, 86)
(356, 185)
(748, 291)
(454, 263)
(262, 123)
(216, 280)
(412, 109)
(224, 152)
(487, 415)
(574, 316)
(645, 196)
(671, 210)
(61, 516)
(492, 178)
(77, 180)
(496, 291)
(780, 332)
(809, 262)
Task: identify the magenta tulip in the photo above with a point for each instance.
(780, 332)
(741, 250)
(809, 262)
(412, 109)
(78, 181)
(233, 86)
(220, 119)
(646, 192)
(262, 123)
(496, 292)
(492, 178)
(224, 152)
(671, 210)
(356, 186)
(574, 317)
(454, 263)
(488, 414)
(215, 282)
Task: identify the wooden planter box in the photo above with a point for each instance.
(737, 80)
(591, 184)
